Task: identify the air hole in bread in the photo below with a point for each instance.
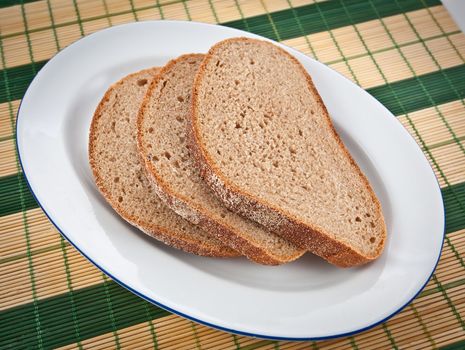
(357, 218)
(112, 159)
(180, 99)
(113, 124)
(142, 82)
(252, 61)
(372, 239)
(176, 164)
(155, 158)
(179, 118)
(116, 179)
(301, 133)
(151, 130)
(120, 199)
(167, 155)
(238, 126)
(236, 82)
(275, 164)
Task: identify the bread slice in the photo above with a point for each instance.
(162, 132)
(267, 148)
(120, 175)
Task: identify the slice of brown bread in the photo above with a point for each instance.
(120, 175)
(162, 132)
(266, 146)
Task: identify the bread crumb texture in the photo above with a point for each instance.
(262, 126)
(120, 175)
(163, 141)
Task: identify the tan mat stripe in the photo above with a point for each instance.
(438, 139)
(430, 126)
(374, 34)
(43, 235)
(451, 265)
(172, 332)
(50, 277)
(47, 260)
(7, 112)
(449, 337)
(451, 162)
(8, 165)
(365, 70)
(323, 45)
(38, 13)
(393, 66)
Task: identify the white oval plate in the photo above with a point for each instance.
(307, 299)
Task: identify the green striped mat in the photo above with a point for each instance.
(409, 54)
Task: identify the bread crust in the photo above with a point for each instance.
(183, 206)
(155, 231)
(310, 237)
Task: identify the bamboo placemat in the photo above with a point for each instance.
(407, 53)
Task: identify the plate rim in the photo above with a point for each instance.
(184, 315)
